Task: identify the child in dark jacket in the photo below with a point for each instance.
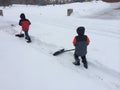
(25, 23)
(81, 42)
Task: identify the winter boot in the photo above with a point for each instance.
(77, 60)
(85, 64)
(28, 41)
(76, 63)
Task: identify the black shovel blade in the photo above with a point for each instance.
(58, 52)
(19, 35)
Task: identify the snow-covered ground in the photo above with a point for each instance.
(32, 66)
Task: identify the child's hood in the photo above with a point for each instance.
(80, 30)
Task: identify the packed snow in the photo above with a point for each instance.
(31, 66)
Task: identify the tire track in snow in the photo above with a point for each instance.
(96, 71)
(107, 75)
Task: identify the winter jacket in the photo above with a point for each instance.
(81, 43)
(25, 23)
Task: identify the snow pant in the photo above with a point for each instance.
(27, 36)
(78, 60)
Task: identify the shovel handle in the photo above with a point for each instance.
(61, 51)
(69, 50)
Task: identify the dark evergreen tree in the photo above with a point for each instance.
(37, 2)
(5, 2)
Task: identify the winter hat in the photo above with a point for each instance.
(81, 30)
(22, 16)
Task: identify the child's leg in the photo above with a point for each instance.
(77, 60)
(27, 36)
(84, 61)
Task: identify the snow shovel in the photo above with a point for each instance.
(61, 51)
(20, 35)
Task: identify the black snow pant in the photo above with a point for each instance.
(27, 36)
(78, 60)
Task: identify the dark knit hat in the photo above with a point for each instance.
(22, 16)
(81, 30)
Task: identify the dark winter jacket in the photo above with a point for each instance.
(25, 23)
(81, 42)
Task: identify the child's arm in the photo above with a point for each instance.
(20, 23)
(74, 41)
(88, 40)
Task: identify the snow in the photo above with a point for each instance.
(32, 66)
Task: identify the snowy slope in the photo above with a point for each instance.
(32, 66)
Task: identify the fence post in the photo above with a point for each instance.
(69, 12)
(1, 12)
